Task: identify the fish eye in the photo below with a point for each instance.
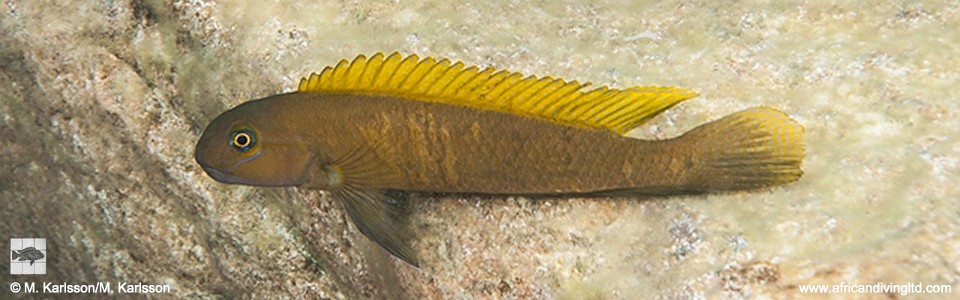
(242, 140)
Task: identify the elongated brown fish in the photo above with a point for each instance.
(383, 123)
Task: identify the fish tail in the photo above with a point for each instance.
(753, 148)
(16, 254)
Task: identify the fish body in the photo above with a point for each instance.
(29, 253)
(380, 124)
(437, 147)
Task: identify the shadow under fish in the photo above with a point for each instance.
(367, 127)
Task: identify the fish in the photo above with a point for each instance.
(370, 128)
(28, 253)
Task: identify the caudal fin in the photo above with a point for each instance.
(753, 148)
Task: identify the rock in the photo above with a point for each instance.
(101, 104)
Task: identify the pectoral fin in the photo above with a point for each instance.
(380, 217)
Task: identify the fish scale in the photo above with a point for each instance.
(551, 153)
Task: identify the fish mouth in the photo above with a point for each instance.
(226, 177)
(222, 176)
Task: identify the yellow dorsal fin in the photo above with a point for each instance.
(546, 98)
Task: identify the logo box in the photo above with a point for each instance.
(28, 256)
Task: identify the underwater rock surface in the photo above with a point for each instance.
(101, 105)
